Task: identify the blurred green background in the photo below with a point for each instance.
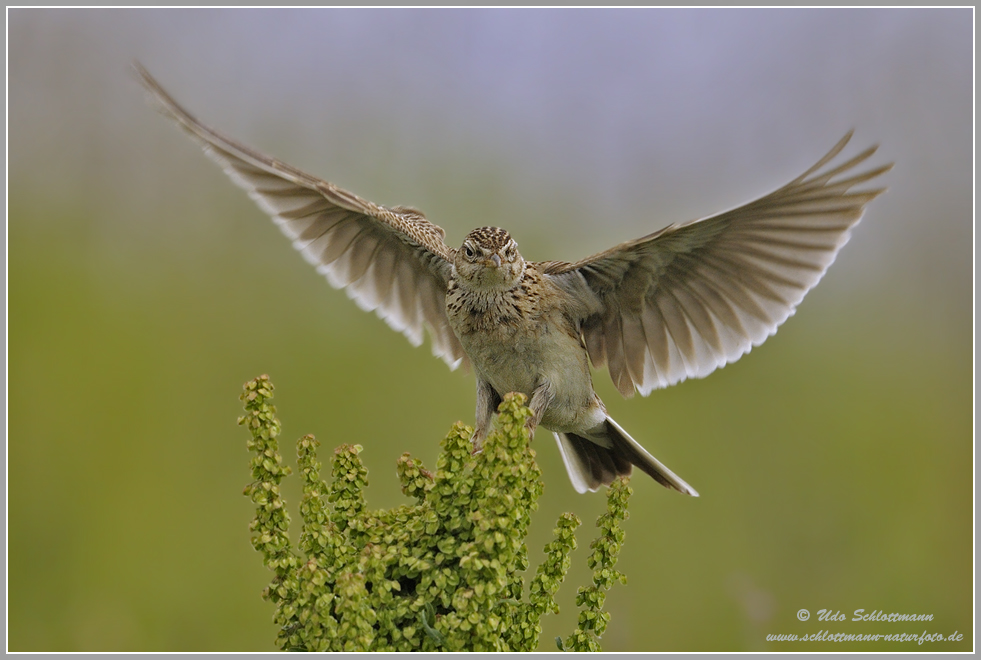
(835, 462)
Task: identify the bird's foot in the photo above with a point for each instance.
(477, 442)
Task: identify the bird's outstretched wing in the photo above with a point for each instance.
(690, 298)
(391, 260)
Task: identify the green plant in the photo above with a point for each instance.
(442, 574)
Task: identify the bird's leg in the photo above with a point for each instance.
(487, 402)
(540, 400)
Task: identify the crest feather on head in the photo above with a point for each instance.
(493, 238)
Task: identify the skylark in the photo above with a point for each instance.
(675, 304)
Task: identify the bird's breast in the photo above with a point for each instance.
(516, 344)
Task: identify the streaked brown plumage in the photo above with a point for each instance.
(675, 304)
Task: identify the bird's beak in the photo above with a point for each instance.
(496, 259)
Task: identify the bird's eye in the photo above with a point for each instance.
(467, 250)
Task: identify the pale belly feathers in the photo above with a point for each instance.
(519, 357)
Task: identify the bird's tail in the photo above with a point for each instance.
(606, 452)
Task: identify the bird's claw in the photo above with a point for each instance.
(477, 443)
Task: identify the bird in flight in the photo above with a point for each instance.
(675, 304)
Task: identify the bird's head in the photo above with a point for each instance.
(489, 259)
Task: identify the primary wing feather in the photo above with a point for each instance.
(690, 298)
(390, 260)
